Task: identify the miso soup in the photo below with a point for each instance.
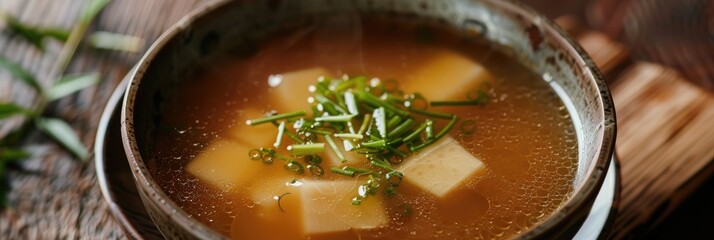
(349, 127)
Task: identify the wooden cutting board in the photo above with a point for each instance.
(665, 133)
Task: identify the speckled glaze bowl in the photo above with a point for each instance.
(228, 26)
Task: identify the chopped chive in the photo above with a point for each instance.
(401, 128)
(366, 121)
(358, 171)
(295, 167)
(376, 102)
(349, 135)
(468, 126)
(272, 153)
(281, 130)
(394, 178)
(315, 170)
(457, 103)
(274, 118)
(380, 164)
(335, 148)
(330, 104)
(348, 145)
(429, 129)
(254, 154)
(431, 114)
(351, 103)
(375, 144)
(306, 149)
(396, 151)
(342, 171)
(395, 142)
(394, 121)
(380, 121)
(290, 134)
(390, 191)
(367, 151)
(341, 118)
(415, 133)
(350, 127)
(447, 128)
(319, 131)
(344, 85)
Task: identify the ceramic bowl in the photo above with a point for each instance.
(223, 26)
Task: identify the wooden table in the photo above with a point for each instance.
(665, 133)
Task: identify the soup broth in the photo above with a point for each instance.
(521, 142)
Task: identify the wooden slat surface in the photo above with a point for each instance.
(665, 135)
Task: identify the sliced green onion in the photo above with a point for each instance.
(447, 128)
(315, 170)
(390, 191)
(468, 126)
(358, 171)
(431, 114)
(376, 102)
(415, 133)
(381, 164)
(335, 148)
(274, 118)
(375, 144)
(394, 178)
(295, 167)
(254, 154)
(342, 171)
(366, 121)
(401, 128)
(290, 134)
(349, 135)
(306, 149)
(341, 118)
(394, 121)
(319, 131)
(330, 104)
(281, 130)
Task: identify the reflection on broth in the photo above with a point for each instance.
(505, 166)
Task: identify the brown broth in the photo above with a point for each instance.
(525, 136)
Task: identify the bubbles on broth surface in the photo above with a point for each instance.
(524, 136)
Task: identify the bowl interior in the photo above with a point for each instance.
(235, 26)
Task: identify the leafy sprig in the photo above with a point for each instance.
(35, 116)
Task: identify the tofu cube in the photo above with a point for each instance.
(449, 76)
(289, 91)
(441, 168)
(327, 208)
(225, 165)
(257, 136)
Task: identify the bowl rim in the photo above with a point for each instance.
(578, 199)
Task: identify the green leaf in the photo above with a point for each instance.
(115, 41)
(33, 34)
(11, 109)
(11, 155)
(63, 134)
(71, 83)
(20, 73)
